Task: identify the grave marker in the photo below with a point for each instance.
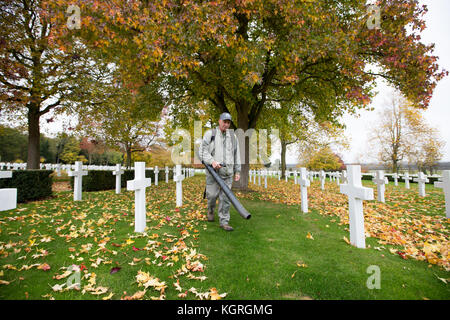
(78, 180)
(406, 177)
(178, 178)
(395, 176)
(421, 180)
(156, 171)
(138, 185)
(322, 177)
(380, 180)
(118, 173)
(167, 174)
(8, 196)
(356, 194)
(445, 185)
(304, 184)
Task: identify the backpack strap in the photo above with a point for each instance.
(233, 139)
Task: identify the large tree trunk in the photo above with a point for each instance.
(128, 156)
(34, 134)
(283, 158)
(243, 124)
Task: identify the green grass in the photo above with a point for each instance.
(259, 260)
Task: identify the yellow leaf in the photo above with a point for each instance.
(346, 240)
(214, 294)
(309, 236)
(108, 297)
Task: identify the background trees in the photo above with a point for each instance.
(245, 57)
(401, 133)
(324, 159)
(36, 75)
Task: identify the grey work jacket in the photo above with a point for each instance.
(221, 151)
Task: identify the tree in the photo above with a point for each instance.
(13, 144)
(402, 133)
(124, 117)
(242, 56)
(71, 150)
(324, 159)
(426, 150)
(36, 76)
(393, 133)
(48, 149)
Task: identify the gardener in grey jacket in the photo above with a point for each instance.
(220, 149)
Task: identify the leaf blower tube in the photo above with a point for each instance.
(237, 205)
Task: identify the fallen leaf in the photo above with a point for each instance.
(114, 270)
(108, 297)
(44, 266)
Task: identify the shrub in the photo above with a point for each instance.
(30, 184)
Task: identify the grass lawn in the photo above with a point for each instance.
(279, 253)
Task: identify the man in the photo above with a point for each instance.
(220, 149)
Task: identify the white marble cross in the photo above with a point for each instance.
(380, 180)
(8, 196)
(421, 179)
(167, 174)
(395, 176)
(304, 184)
(58, 169)
(322, 177)
(406, 177)
(78, 180)
(118, 173)
(265, 178)
(139, 185)
(338, 176)
(356, 194)
(178, 178)
(445, 184)
(156, 171)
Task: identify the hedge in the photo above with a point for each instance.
(31, 184)
(98, 180)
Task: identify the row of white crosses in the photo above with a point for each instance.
(380, 180)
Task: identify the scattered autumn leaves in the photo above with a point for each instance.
(97, 241)
(78, 245)
(405, 220)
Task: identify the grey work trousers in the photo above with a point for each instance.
(213, 191)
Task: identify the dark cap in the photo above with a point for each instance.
(225, 116)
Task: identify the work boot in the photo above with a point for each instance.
(211, 216)
(226, 227)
